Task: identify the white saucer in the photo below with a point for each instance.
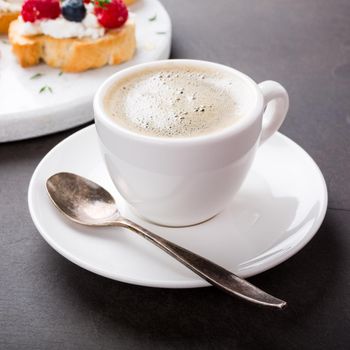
(24, 112)
(277, 211)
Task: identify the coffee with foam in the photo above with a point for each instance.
(175, 101)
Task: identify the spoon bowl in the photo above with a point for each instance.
(81, 200)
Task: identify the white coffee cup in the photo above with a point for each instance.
(185, 181)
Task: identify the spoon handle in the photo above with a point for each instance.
(211, 272)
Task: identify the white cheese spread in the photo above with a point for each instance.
(61, 28)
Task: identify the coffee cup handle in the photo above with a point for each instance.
(276, 103)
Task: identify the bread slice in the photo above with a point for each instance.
(5, 19)
(73, 54)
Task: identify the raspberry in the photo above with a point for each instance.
(40, 9)
(111, 14)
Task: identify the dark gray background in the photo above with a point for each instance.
(46, 302)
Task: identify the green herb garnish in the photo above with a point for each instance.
(45, 88)
(36, 76)
(4, 41)
(102, 3)
(160, 33)
(151, 19)
(60, 73)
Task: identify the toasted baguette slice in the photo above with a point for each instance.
(73, 54)
(5, 19)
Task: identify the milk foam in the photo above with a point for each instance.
(175, 102)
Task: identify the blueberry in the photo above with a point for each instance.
(73, 10)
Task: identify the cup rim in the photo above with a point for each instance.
(229, 131)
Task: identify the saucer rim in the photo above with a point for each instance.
(183, 284)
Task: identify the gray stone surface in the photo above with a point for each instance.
(46, 302)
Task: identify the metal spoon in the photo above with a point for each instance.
(87, 203)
